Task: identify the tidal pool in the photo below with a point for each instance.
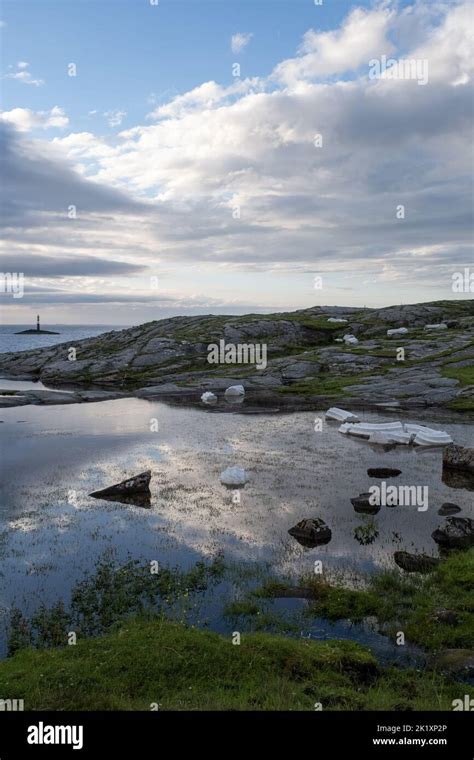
(52, 532)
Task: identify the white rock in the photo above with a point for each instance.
(396, 432)
(425, 436)
(397, 331)
(234, 476)
(365, 429)
(439, 326)
(350, 339)
(235, 390)
(334, 413)
(385, 437)
(334, 319)
(209, 398)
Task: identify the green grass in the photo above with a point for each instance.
(324, 385)
(414, 600)
(462, 404)
(465, 375)
(143, 663)
(401, 601)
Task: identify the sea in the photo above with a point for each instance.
(9, 341)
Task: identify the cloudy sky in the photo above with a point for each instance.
(194, 157)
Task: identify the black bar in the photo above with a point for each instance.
(445, 734)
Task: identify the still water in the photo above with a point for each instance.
(52, 532)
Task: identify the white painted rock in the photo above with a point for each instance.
(334, 319)
(397, 331)
(334, 413)
(440, 326)
(209, 398)
(425, 436)
(385, 437)
(350, 339)
(234, 476)
(235, 390)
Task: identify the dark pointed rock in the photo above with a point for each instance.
(139, 484)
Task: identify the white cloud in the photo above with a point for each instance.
(115, 118)
(24, 119)
(304, 208)
(240, 41)
(23, 75)
(362, 36)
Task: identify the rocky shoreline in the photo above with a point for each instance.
(309, 360)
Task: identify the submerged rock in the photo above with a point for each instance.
(139, 484)
(448, 509)
(416, 563)
(458, 533)
(311, 532)
(383, 472)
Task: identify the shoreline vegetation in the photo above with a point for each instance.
(132, 653)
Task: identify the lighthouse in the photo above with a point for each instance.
(38, 323)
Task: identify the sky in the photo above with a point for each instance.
(188, 157)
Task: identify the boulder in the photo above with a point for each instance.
(416, 563)
(235, 390)
(311, 532)
(208, 398)
(457, 533)
(362, 504)
(458, 458)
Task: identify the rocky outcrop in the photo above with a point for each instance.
(170, 357)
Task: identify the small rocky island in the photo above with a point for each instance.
(38, 330)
